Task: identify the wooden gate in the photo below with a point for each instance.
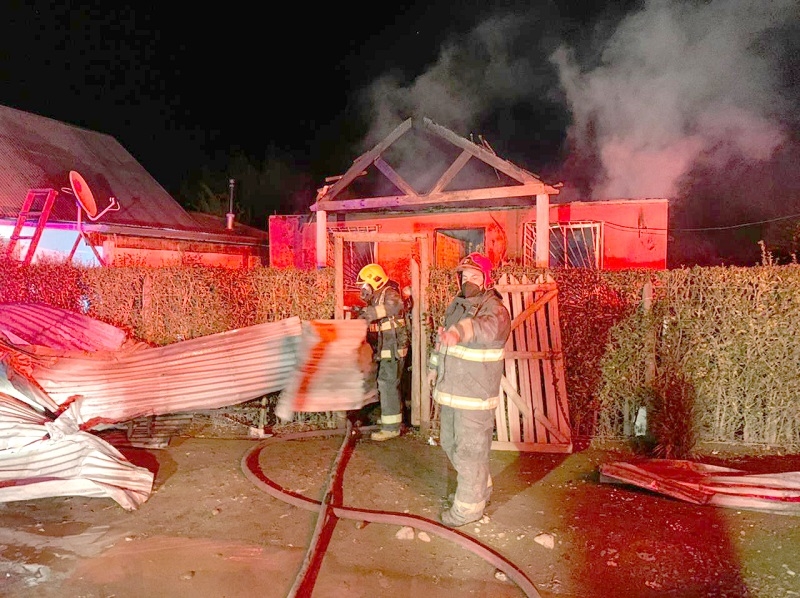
(533, 414)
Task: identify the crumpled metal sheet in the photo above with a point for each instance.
(335, 363)
(38, 460)
(54, 393)
(46, 326)
(202, 373)
(703, 484)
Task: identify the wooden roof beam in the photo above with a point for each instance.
(451, 172)
(515, 172)
(364, 160)
(440, 199)
(391, 174)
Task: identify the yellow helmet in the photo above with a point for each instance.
(373, 275)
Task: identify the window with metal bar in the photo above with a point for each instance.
(355, 255)
(572, 245)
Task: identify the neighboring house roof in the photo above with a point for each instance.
(38, 153)
(218, 224)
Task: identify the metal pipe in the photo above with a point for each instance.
(230, 215)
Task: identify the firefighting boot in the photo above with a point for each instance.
(451, 498)
(456, 517)
(382, 435)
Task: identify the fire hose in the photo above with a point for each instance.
(330, 510)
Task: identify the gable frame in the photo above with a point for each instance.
(529, 184)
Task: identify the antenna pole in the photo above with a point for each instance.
(230, 214)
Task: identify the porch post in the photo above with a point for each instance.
(542, 230)
(322, 240)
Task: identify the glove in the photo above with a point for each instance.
(355, 312)
(449, 337)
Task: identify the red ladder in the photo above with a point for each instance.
(45, 198)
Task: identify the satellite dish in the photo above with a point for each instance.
(84, 198)
(82, 193)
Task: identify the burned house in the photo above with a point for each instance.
(424, 179)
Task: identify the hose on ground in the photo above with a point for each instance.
(252, 470)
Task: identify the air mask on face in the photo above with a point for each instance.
(366, 293)
(470, 289)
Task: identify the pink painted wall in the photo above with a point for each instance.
(634, 233)
(159, 258)
(119, 251)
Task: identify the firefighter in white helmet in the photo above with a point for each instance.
(388, 336)
(466, 367)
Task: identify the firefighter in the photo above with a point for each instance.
(388, 335)
(465, 369)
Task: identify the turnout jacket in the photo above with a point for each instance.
(387, 332)
(469, 373)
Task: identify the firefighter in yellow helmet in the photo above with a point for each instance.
(388, 336)
(466, 367)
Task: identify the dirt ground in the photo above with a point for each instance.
(208, 530)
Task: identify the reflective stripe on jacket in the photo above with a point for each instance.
(469, 373)
(385, 325)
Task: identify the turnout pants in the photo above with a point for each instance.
(466, 437)
(389, 372)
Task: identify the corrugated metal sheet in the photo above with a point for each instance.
(203, 373)
(37, 462)
(46, 450)
(38, 324)
(334, 363)
(18, 386)
(704, 484)
(20, 425)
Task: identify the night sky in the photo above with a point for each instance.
(185, 91)
(619, 99)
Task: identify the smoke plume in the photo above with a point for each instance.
(691, 100)
(677, 81)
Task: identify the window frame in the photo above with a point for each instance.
(529, 243)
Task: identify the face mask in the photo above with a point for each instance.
(366, 293)
(470, 289)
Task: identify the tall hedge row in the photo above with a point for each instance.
(715, 357)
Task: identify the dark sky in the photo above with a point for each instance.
(615, 99)
(184, 90)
